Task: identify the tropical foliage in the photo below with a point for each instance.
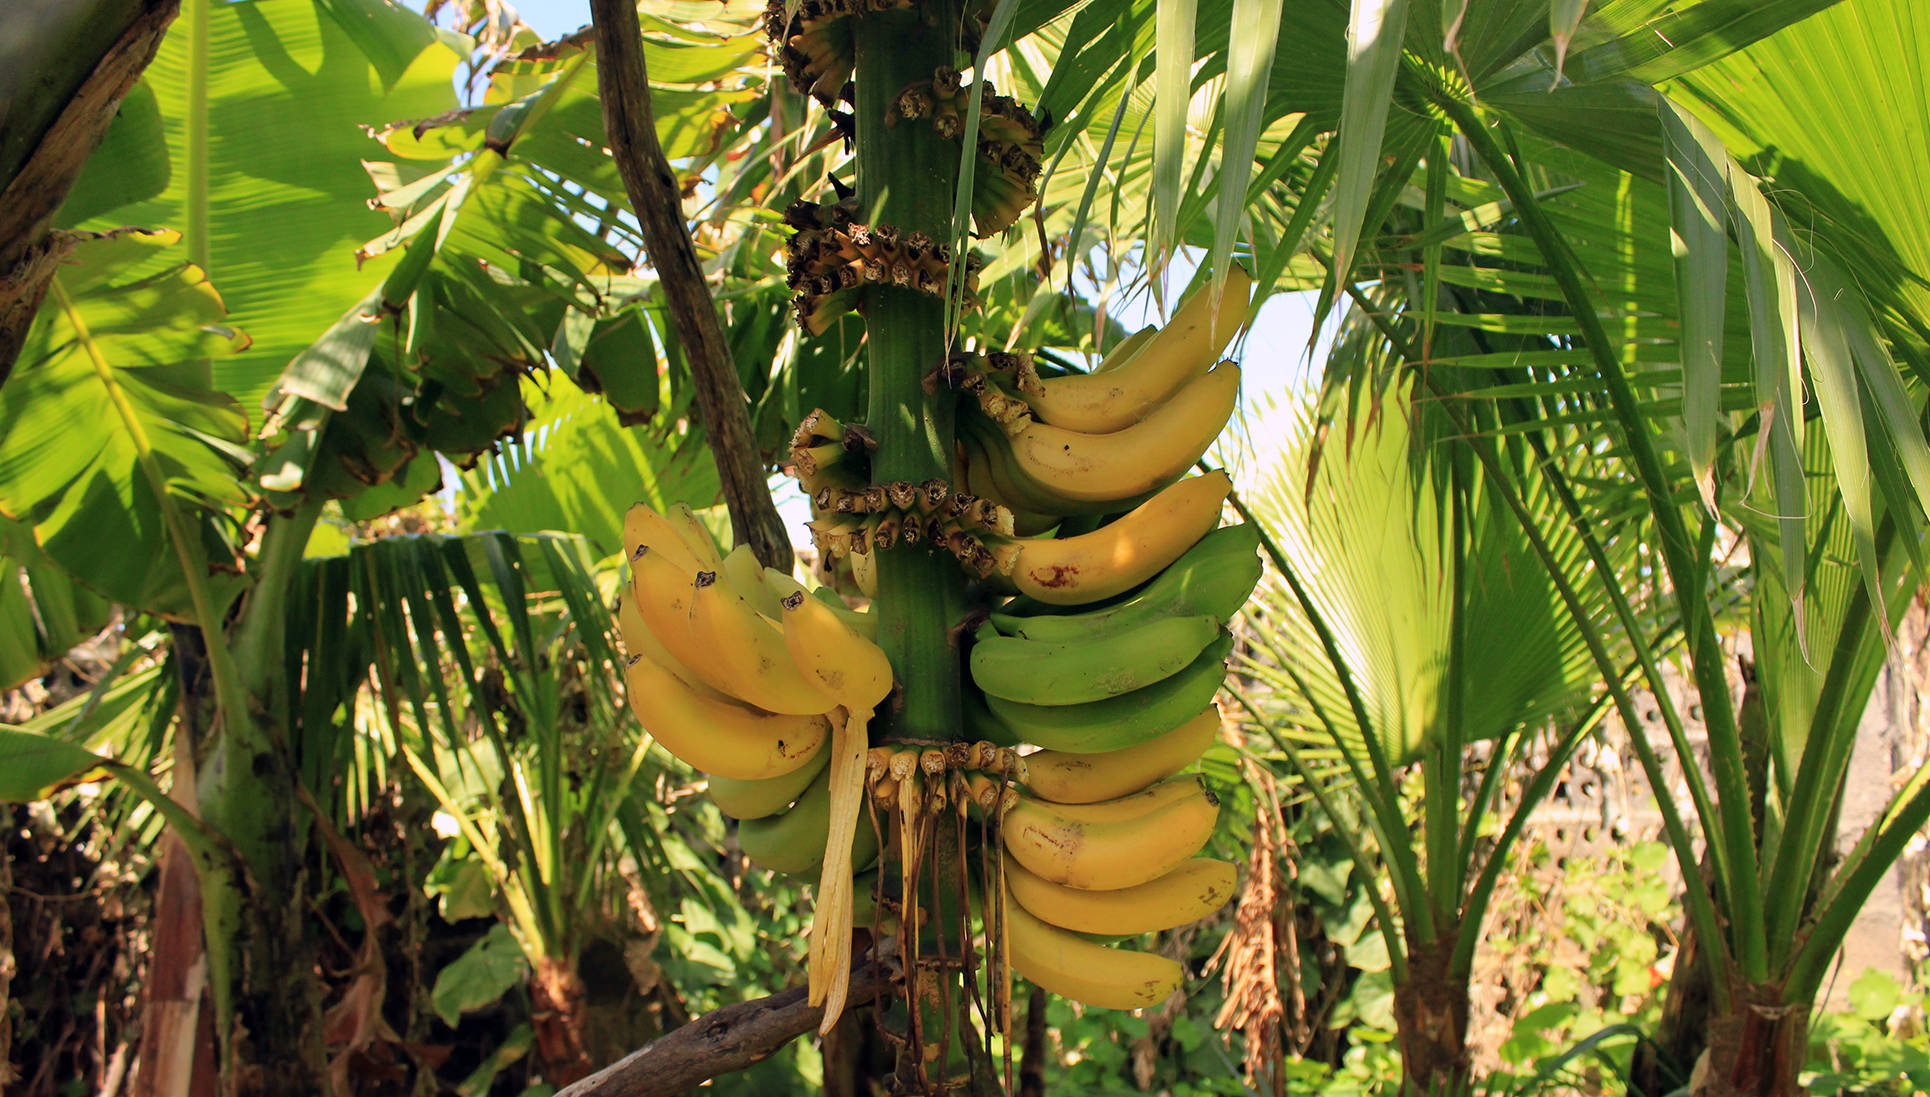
(334, 410)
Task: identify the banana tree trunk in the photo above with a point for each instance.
(1431, 1021)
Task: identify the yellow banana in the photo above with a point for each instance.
(1112, 854)
(764, 798)
(862, 623)
(1084, 971)
(748, 651)
(639, 640)
(1112, 399)
(1133, 805)
(1067, 778)
(695, 536)
(643, 526)
(1097, 468)
(1124, 351)
(745, 575)
(718, 735)
(662, 592)
(1123, 553)
(1195, 889)
(843, 662)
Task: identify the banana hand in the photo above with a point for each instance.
(1195, 889)
(1116, 396)
(1073, 967)
(1075, 672)
(1214, 577)
(1065, 778)
(718, 735)
(1123, 553)
(1123, 721)
(1119, 853)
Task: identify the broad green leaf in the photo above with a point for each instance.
(32, 766)
(582, 474)
(479, 976)
(43, 611)
(1255, 29)
(114, 365)
(1698, 206)
(287, 86)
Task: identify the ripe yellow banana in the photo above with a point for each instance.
(639, 640)
(1073, 967)
(860, 621)
(749, 652)
(1138, 459)
(717, 735)
(1067, 778)
(1112, 399)
(1113, 854)
(662, 592)
(745, 575)
(644, 526)
(695, 536)
(1195, 889)
(1135, 804)
(1123, 553)
(1126, 349)
(842, 661)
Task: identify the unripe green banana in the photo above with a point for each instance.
(1119, 722)
(1077, 671)
(793, 842)
(761, 798)
(1215, 576)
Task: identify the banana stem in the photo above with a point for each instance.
(907, 177)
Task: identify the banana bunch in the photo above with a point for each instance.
(1011, 143)
(1112, 649)
(831, 256)
(738, 670)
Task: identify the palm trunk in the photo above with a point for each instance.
(1431, 1018)
(560, 1017)
(1756, 1046)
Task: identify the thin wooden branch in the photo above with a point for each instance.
(727, 1039)
(624, 84)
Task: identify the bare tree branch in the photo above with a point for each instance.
(624, 84)
(727, 1039)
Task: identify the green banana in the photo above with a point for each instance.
(1215, 577)
(793, 843)
(1082, 670)
(1122, 721)
(768, 796)
(980, 722)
